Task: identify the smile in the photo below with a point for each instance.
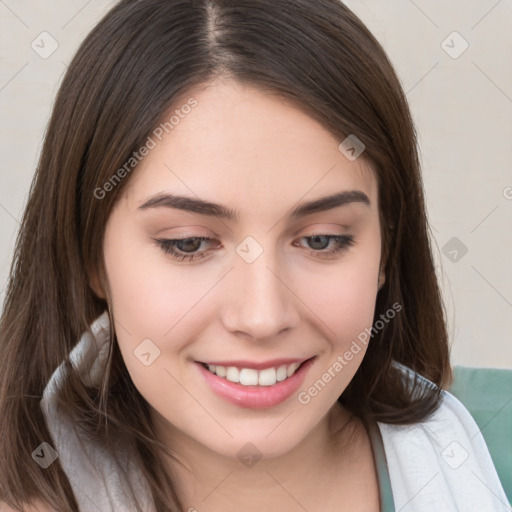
(252, 377)
(255, 388)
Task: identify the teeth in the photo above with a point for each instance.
(281, 373)
(246, 377)
(233, 374)
(267, 377)
(220, 371)
(250, 377)
(291, 369)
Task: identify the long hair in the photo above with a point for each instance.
(129, 71)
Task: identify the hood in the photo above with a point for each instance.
(97, 481)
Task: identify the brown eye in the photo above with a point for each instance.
(183, 248)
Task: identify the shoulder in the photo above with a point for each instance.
(450, 427)
(445, 456)
(451, 420)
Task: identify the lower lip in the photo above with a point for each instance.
(256, 397)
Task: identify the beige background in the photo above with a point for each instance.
(461, 99)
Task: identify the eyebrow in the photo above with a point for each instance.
(202, 207)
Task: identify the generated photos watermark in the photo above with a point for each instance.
(362, 339)
(137, 156)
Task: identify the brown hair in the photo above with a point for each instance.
(126, 74)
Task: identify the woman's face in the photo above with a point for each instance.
(264, 288)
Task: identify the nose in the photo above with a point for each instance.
(260, 302)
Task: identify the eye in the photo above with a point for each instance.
(185, 249)
(341, 243)
(187, 245)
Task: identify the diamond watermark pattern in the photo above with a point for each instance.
(249, 455)
(454, 45)
(454, 455)
(146, 352)
(44, 45)
(44, 455)
(454, 249)
(249, 250)
(352, 147)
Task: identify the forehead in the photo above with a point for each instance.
(240, 144)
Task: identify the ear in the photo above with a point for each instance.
(96, 287)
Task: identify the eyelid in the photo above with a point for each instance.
(215, 237)
(342, 243)
(322, 228)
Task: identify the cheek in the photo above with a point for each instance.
(354, 306)
(149, 293)
(151, 324)
(156, 306)
(343, 297)
(346, 309)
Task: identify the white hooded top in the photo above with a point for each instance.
(441, 464)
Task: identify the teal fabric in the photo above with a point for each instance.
(386, 495)
(487, 394)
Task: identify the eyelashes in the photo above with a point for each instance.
(178, 248)
(169, 247)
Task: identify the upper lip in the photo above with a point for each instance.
(273, 363)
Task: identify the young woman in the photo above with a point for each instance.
(223, 294)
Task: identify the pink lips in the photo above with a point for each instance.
(256, 397)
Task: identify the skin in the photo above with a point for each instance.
(260, 156)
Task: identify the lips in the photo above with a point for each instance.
(251, 395)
